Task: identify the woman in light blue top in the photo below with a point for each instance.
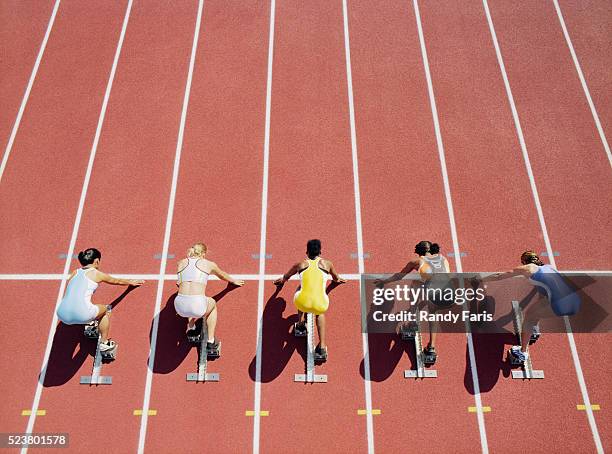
(76, 308)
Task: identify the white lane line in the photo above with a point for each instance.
(262, 239)
(244, 277)
(24, 101)
(451, 216)
(549, 249)
(587, 93)
(359, 230)
(77, 223)
(164, 258)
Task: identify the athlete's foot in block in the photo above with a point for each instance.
(518, 355)
(108, 346)
(299, 329)
(212, 347)
(429, 355)
(191, 326)
(320, 353)
(535, 334)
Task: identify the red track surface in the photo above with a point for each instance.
(311, 194)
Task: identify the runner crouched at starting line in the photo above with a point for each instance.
(76, 308)
(311, 296)
(191, 301)
(551, 287)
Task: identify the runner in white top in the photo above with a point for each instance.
(76, 308)
(191, 301)
(428, 262)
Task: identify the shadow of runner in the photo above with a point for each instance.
(172, 346)
(386, 352)
(63, 363)
(278, 341)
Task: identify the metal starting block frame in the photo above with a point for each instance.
(310, 376)
(96, 378)
(526, 371)
(421, 371)
(202, 375)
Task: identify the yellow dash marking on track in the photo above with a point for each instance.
(261, 413)
(150, 412)
(474, 409)
(29, 412)
(593, 407)
(365, 412)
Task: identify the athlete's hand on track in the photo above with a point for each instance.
(238, 282)
(340, 280)
(136, 282)
(280, 281)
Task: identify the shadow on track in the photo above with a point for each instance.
(172, 347)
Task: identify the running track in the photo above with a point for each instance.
(149, 123)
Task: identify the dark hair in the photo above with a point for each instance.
(313, 248)
(422, 247)
(528, 257)
(88, 256)
(434, 248)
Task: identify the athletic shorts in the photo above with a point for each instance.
(77, 313)
(193, 306)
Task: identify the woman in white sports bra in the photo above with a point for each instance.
(76, 308)
(191, 301)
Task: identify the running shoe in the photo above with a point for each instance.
(518, 354)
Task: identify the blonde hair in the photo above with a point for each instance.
(197, 250)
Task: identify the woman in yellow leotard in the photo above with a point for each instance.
(311, 296)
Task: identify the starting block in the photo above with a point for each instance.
(202, 375)
(91, 332)
(413, 332)
(526, 371)
(311, 357)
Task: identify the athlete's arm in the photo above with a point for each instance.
(293, 270)
(523, 270)
(71, 276)
(410, 266)
(335, 276)
(214, 269)
(107, 278)
(181, 265)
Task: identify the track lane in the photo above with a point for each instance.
(564, 147)
(567, 157)
(204, 417)
(473, 111)
(218, 202)
(404, 203)
(20, 361)
(310, 196)
(218, 195)
(40, 195)
(142, 118)
(588, 24)
(72, 407)
(22, 28)
(126, 202)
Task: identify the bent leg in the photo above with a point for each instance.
(539, 309)
(321, 329)
(211, 318)
(103, 322)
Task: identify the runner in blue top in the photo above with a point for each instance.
(551, 287)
